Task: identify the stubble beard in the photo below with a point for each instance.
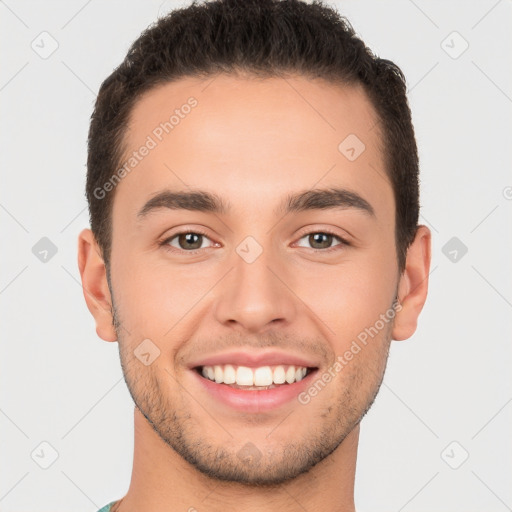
(267, 468)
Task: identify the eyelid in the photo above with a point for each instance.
(198, 231)
(304, 232)
(308, 230)
(327, 231)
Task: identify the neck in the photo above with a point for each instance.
(163, 481)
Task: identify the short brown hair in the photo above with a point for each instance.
(266, 38)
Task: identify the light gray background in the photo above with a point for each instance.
(62, 385)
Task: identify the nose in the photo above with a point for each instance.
(255, 295)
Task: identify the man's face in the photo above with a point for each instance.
(262, 281)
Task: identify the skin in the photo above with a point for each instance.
(251, 142)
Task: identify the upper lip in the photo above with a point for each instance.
(254, 359)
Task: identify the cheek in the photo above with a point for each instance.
(351, 297)
(154, 296)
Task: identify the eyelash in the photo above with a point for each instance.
(165, 242)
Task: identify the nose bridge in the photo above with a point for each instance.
(253, 295)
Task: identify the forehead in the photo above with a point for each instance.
(252, 140)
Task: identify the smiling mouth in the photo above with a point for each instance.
(255, 379)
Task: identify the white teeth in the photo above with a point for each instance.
(279, 375)
(290, 374)
(300, 373)
(262, 376)
(219, 374)
(244, 376)
(229, 374)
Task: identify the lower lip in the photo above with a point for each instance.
(253, 400)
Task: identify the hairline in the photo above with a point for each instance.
(256, 75)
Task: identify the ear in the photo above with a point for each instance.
(413, 285)
(94, 284)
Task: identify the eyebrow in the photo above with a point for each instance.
(204, 201)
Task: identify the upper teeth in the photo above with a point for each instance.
(262, 376)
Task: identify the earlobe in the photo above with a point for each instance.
(413, 285)
(94, 284)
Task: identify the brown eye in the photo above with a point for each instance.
(186, 241)
(322, 241)
(190, 240)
